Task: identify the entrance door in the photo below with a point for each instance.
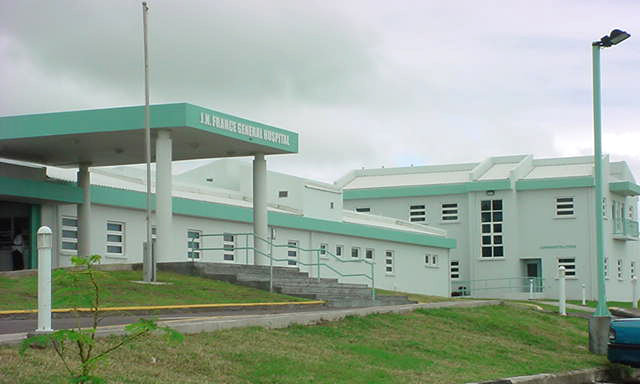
(533, 270)
(14, 219)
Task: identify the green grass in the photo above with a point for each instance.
(119, 290)
(426, 346)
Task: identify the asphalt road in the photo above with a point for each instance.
(10, 325)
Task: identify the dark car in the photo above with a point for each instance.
(624, 342)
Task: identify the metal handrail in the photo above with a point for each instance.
(524, 283)
(269, 255)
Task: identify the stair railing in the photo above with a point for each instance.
(318, 251)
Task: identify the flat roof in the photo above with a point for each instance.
(115, 136)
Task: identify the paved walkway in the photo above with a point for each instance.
(569, 306)
(196, 323)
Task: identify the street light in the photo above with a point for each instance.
(599, 323)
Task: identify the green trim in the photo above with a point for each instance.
(42, 190)
(137, 200)
(555, 183)
(626, 188)
(132, 118)
(299, 222)
(426, 190)
(35, 220)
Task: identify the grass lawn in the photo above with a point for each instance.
(427, 346)
(415, 296)
(119, 290)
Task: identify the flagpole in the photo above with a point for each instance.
(149, 265)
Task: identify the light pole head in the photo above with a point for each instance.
(615, 37)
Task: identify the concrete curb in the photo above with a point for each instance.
(278, 320)
(582, 376)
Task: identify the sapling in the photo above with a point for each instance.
(77, 347)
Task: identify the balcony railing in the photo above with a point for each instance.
(624, 229)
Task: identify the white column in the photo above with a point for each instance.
(634, 294)
(84, 211)
(164, 210)
(45, 243)
(562, 296)
(260, 210)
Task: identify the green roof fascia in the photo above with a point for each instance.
(132, 118)
(426, 190)
(194, 119)
(90, 121)
(626, 188)
(70, 193)
(41, 190)
(555, 183)
(357, 230)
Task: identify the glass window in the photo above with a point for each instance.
(491, 240)
(69, 235)
(454, 269)
(355, 252)
(193, 244)
(564, 207)
(388, 261)
(569, 265)
(115, 238)
(449, 212)
(417, 213)
(292, 253)
(339, 250)
(369, 254)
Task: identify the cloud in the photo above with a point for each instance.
(365, 83)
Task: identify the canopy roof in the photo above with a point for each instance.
(115, 136)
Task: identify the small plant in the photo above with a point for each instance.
(79, 288)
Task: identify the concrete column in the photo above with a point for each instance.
(164, 209)
(84, 211)
(45, 244)
(260, 225)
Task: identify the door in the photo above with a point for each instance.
(533, 270)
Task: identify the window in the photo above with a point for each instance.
(339, 249)
(292, 253)
(369, 254)
(115, 238)
(417, 213)
(331, 205)
(229, 247)
(564, 207)
(604, 207)
(606, 267)
(491, 217)
(632, 269)
(449, 212)
(154, 233)
(569, 265)
(355, 252)
(454, 269)
(283, 194)
(193, 244)
(363, 210)
(431, 260)
(619, 269)
(630, 212)
(323, 249)
(69, 234)
(388, 262)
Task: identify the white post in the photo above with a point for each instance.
(260, 223)
(84, 211)
(164, 210)
(562, 296)
(148, 262)
(584, 294)
(530, 289)
(44, 279)
(634, 294)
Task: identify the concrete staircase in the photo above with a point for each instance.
(288, 281)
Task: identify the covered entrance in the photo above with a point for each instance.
(116, 136)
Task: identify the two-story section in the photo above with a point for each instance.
(516, 220)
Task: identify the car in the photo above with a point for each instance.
(624, 341)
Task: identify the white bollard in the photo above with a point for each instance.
(562, 296)
(45, 238)
(634, 294)
(584, 294)
(530, 289)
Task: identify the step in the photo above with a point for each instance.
(326, 291)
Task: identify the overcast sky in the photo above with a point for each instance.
(364, 83)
